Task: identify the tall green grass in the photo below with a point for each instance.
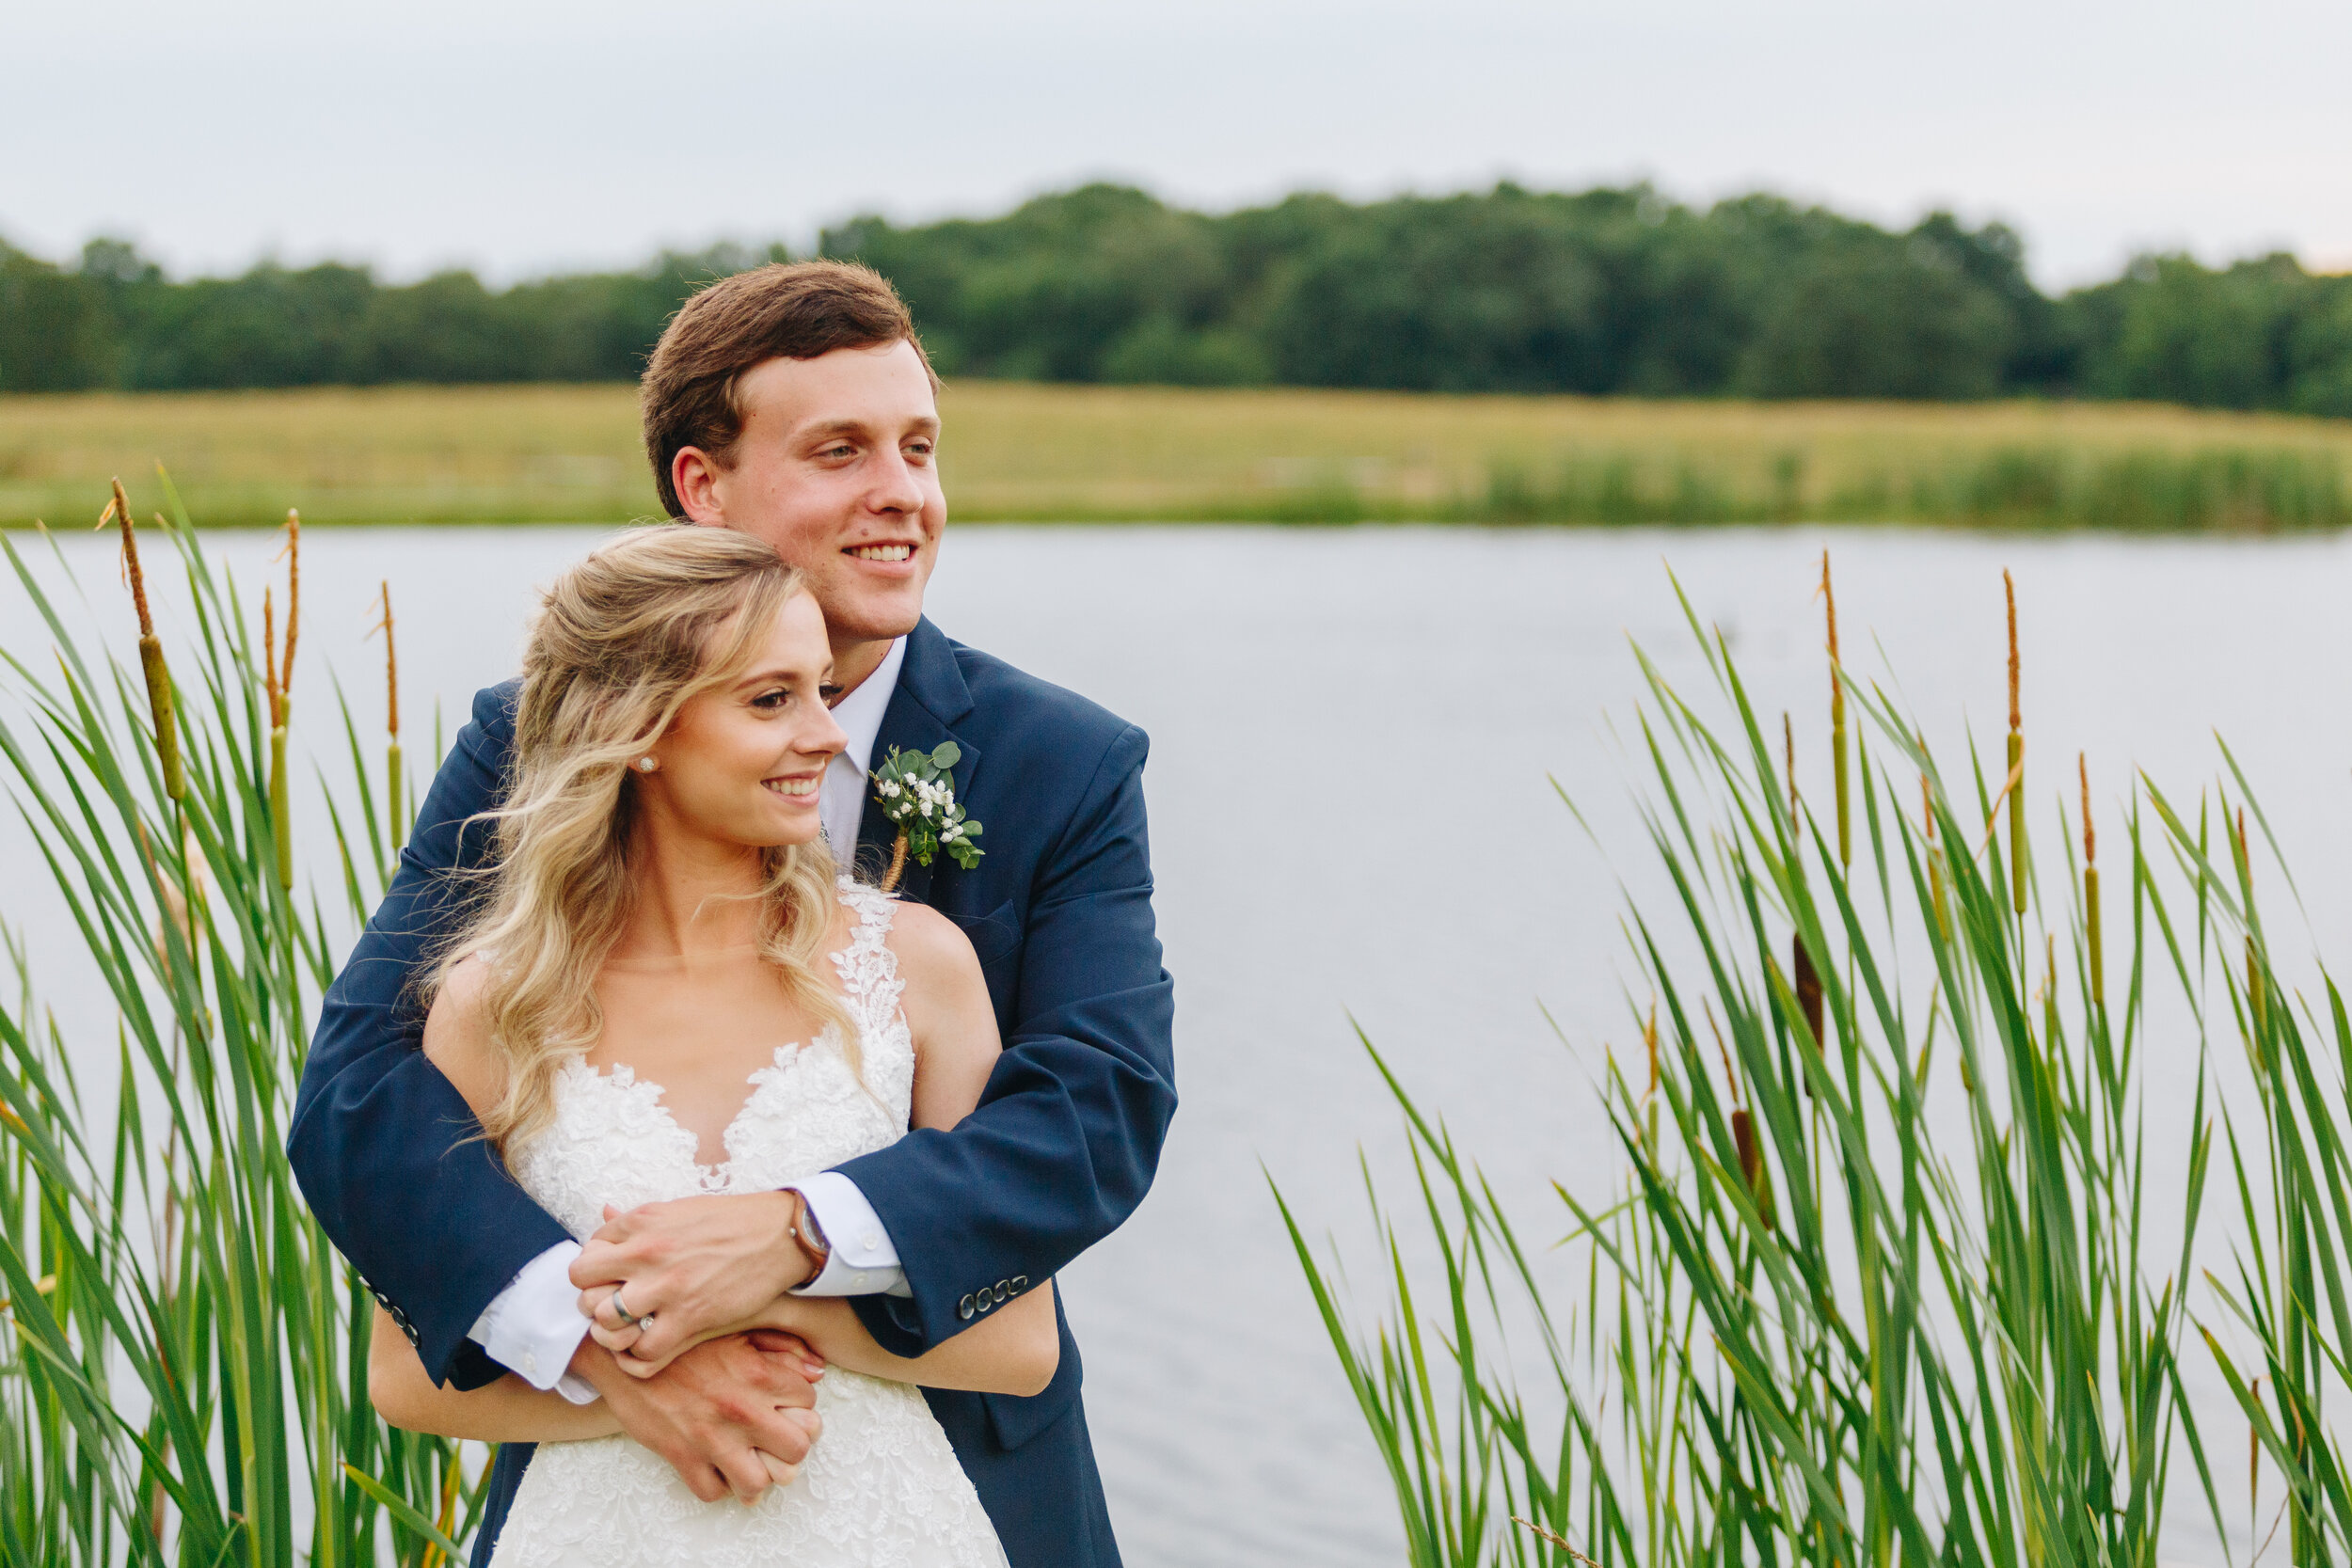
(182, 1355)
(1887, 1277)
(1028, 453)
(2148, 490)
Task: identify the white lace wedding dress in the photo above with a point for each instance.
(881, 1486)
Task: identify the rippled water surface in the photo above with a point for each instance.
(1354, 737)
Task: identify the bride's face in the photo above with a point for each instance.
(740, 764)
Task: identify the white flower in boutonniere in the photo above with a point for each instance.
(917, 793)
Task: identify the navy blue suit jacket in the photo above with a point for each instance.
(1061, 1150)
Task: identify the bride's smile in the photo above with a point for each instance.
(738, 768)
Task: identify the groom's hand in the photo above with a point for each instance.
(729, 1415)
(686, 1270)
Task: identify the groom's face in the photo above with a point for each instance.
(836, 467)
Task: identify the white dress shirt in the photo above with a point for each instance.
(533, 1326)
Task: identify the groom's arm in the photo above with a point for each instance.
(1067, 1135)
(384, 1146)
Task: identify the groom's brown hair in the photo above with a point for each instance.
(786, 310)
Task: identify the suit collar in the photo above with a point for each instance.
(931, 676)
(931, 698)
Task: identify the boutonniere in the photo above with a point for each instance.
(919, 796)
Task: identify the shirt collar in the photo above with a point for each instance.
(860, 713)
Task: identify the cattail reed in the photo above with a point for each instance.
(277, 677)
(1650, 1092)
(1752, 1172)
(1807, 979)
(2090, 892)
(2257, 1000)
(1752, 1166)
(2016, 762)
(2049, 995)
(159, 700)
(1935, 857)
(1837, 723)
(392, 817)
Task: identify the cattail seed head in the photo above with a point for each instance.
(1752, 1166)
(393, 816)
(119, 510)
(269, 655)
(1788, 739)
(2009, 586)
(294, 602)
(152, 670)
(391, 671)
(1808, 989)
(2091, 834)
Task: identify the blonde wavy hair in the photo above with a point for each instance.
(620, 643)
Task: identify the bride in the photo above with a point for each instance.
(665, 993)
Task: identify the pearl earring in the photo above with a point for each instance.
(644, 765)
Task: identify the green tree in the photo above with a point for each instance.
(2184, 333)
(55, 332)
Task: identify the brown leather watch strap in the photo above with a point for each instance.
(809, 1235)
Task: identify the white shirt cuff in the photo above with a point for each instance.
(861, 1260)
(534, 1325)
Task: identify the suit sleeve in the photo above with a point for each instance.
(382, 1144)
(1068, 1132)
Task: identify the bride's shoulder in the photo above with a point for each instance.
(931, 948)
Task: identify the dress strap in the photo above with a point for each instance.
(868, 969)
(873, 906)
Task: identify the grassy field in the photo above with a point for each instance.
(1018, 451)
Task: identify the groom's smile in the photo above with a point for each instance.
(836, 466)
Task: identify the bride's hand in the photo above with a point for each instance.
(777, 1329)
(665, 1276)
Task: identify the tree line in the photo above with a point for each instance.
(1603, 291)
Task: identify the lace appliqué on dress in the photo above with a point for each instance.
(882, 1488)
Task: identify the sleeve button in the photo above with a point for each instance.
(963, 1308)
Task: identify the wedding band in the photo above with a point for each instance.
(620, 1310)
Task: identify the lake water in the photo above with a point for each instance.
(1353, 732)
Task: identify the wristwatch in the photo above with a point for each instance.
(811, 1236)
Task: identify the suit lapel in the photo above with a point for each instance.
(932, 697)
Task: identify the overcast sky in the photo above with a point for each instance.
(520, 137)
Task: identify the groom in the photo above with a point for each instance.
(795, 403)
